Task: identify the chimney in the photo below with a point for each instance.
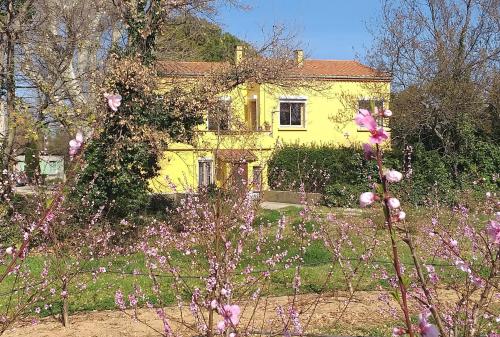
(299, 57)
(238, 55)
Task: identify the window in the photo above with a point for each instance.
(370, 104)
(253, 117)
(218, 118)
(205, 176)
(292, 113)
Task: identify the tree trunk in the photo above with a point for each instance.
(7, 136)
(65, 306)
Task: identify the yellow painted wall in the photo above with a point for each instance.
(329, 111)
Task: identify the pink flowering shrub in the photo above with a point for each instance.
(463, 243)
(50, 235)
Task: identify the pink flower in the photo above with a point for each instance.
(401, 215)
(427, 329)
(75, 144)
(366, 198)
(378, 136)
(387, 113)
(393, 176)
(393, 203)
(9, 250)
(476, 280)
(396, 332)
(363, 118)
(231, 315)
(493, 230)
(114, 101)
(462, 266)
(221, 326)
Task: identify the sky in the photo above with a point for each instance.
(326, 29)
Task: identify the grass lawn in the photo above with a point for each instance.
(126, 272)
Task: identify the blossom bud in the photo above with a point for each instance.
(396, 332)
(393, 203)
(393, 176)
(387, 113)
(114, 101)
(401, 216)
(9, 250)
(366, 198)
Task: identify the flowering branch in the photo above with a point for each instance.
(390, 205)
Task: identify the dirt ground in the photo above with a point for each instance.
(363, 313)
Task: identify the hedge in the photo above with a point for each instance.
(342, 173)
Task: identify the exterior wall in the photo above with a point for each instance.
(329, 110)
(52, 167)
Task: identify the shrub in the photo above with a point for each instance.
(342, 173)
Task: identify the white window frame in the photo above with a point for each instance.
(293, 99)
(210, 162)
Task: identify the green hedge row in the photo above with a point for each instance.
(342, 173)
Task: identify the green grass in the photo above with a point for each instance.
(317, 274)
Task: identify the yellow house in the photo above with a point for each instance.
(232, 148)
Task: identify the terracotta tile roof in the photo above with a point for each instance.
(236, 156)
(317, 69)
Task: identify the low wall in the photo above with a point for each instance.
(290, 197)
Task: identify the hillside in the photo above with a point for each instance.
(196, 39)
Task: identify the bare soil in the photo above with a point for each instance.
(364, 313)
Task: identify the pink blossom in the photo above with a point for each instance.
(396, 332)
(387, 113)
(493, 230)
(393, 203)
(427, 329)
(462, 266)
(401, 215)
(9, 250)
(221, 326)
(75, 144)
(476, 280)
(119, 301)
(363, 118)
(393, 176)
(432, 273)
(231, 315)
(366, 198)
(378, 136)
(114, 101)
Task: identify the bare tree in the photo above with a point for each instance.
(444, 56)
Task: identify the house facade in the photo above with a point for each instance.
(232, 148)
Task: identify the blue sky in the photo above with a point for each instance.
(327, 29)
